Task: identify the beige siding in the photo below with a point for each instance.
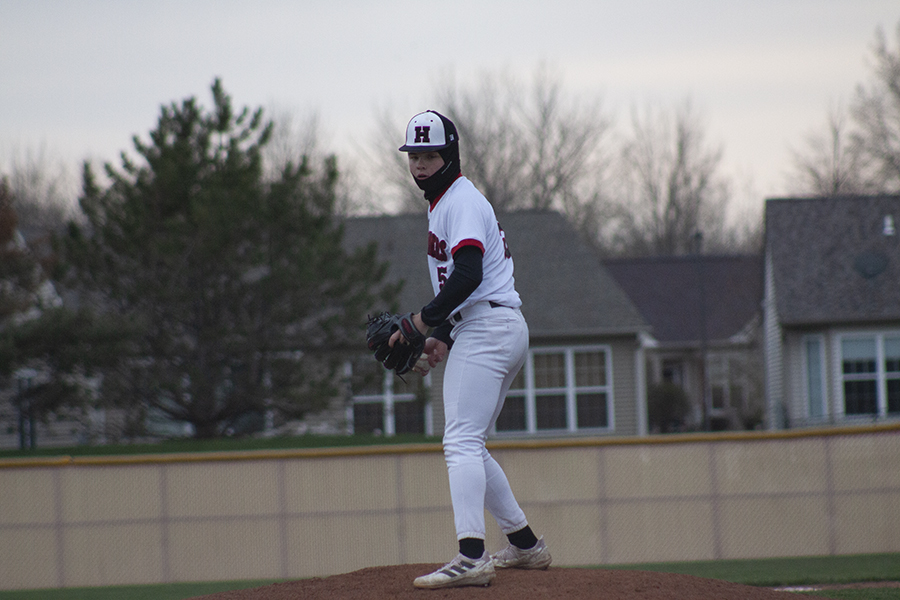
(624, 390)
(291, 514)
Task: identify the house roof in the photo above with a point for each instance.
(565, 290)
(836, 259)
(675, 293)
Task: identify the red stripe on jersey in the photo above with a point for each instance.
(469, 242)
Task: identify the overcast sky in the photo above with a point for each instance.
(79, 78)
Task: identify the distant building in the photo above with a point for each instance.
(832, 310)
(705, 320)
(18, 426)
(585, 368)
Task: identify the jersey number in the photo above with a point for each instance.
(506, 252)
(442, 277)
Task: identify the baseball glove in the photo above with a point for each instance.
(403, 356)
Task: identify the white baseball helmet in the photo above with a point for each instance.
(429, 131)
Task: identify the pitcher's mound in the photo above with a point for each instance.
(395, 583)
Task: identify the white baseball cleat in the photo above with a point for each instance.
(460, 571)
(512, 557)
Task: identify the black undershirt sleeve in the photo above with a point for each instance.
(442, 332)
(466, 277)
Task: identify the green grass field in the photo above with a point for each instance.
(771, 572)
(800, 571)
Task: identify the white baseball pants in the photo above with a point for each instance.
(489, 349)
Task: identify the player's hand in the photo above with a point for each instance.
(435, 351)
(434, 354)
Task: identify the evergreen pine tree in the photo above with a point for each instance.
(242, 296)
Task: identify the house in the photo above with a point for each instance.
(585, 369)
(19, 427)
(705, 321)
(832, 310)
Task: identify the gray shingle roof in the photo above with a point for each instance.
(565, 290)
(402, 242)
(831, 259)
(669, 294)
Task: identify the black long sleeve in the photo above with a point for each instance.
(465, 279)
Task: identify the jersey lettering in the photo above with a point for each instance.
(437, 248)
(422, 134)
(506, 252)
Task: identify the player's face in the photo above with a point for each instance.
(423, 165)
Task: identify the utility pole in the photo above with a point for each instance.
(701, 285)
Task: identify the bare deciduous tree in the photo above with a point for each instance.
(494, 150)
(44, 191)
(876, 113)
(296, 140)
(860, 154)
(524, 146)
(670, 188)
(292, 140)
(389, 183)
(830, 163)
(533, 147)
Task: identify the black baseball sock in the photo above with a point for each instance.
(471, 547)
(523, 538)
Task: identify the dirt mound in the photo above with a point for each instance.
(396, 583)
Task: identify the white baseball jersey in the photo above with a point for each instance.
(462, 216)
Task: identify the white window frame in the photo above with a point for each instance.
(880, 374)
(570, 391)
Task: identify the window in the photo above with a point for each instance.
(512, 417)
(550, 390)
(591, 391)
(564, 389)
(892, 373)
(815, 376)
(383, 403)
(718, 399)
(870, 374)
(368, 417)
(858, 363)
(728, 382)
